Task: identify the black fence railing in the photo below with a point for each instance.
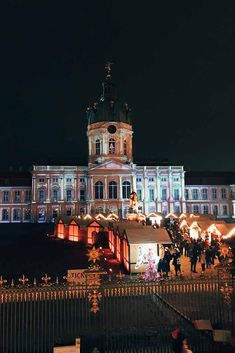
(133, 316)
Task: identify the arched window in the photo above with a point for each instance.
(126, 190)
(124, 148)
(97, 147)
(111, 146)
(112, 190)
(99, 190)
(41, 195)
(55, 195)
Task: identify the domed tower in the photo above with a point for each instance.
(109, 128)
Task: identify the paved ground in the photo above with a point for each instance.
(186, 268)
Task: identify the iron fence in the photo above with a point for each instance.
(132, 316)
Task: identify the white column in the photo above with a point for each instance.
(133, 183)
(120, 187)
(75, 189)
(62, 188)
(105, 189)
(233, 215)
(183, 204)
(34, 189)
(170, 203)
(145, 191)
(48, 189)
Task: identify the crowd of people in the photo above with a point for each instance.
(201, 253)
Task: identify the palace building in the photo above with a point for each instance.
(105, 184)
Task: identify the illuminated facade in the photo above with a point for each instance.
(105, 184)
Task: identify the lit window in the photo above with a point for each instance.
(215, 210)
(16, 214)
(17, 196)
(5, 196)
(97, 147)
(139, 194)
(5, 215)
(223, 194)
(126, 190)
(27, 214)
(164, 210)
(225, 210)
(164, 194)
(73, 231)
(41, 195)
(112, 190)
(69, 195)
(55, 195)
(111, 146)
(214, 193)
(195, 194)
(176, 194)
(177, 209)
(151, 194)
(204, 194)
(99, 190)
(186, 193)
(27, 195)
(82, 195)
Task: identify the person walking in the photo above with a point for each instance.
(203, 260)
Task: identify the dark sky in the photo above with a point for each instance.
(174, 62)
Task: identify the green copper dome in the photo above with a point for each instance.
(109, 108)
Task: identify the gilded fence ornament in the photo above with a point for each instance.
(226, 284)
(2, 281)
(227, 292)
(46, 279)
(24, 280)
(94, 297)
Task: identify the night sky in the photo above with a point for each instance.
(174, 63)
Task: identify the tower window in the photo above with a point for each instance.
(99, 190)
(97, 147)
(111, 146)
(112, 190)
(124, 148)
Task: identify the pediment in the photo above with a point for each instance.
(112, 165)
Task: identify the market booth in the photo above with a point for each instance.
(89, 230)
(131, 241)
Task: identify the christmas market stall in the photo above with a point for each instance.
(132, 241)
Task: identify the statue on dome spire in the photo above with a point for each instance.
(108, 68)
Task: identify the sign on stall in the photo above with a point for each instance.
(76, 277)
